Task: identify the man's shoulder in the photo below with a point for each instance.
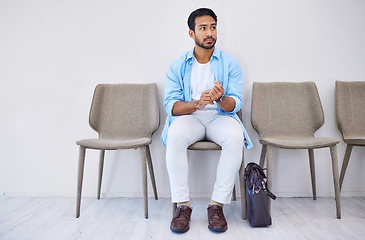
(228, 60)
(183, 58)
(225, 56)
(180, 63)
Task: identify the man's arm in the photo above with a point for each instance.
(185, 108)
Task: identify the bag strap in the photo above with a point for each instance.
(269, 193)
(259, 172)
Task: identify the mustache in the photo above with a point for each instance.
(209, 38)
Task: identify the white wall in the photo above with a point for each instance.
(53, 53)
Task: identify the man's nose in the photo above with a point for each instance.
(209, 33)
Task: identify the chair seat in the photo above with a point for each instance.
(114, 144)
(355, 141)
(300, 143)
(205, 145)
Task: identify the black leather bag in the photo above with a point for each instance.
(258, 213)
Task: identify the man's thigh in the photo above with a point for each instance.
(224, 128)
(187, 129)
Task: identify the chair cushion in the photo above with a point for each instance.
(300, 143)
(114, 144)
(204, 145)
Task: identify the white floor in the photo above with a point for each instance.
(122, 218)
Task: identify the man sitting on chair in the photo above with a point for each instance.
(203, 93)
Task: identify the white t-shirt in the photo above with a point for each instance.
(202, 78)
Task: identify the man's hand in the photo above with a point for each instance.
(205, 99)
(217, 91)
(185, 108)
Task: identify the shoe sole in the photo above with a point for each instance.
(217, 229)
(180, 230)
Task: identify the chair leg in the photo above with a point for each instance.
(234, 193)
(243, 187)
(174, 206)
(313, 172)
(336, 180)
(150, 168)
(345, 163)
(143, 153)
(101, 167)
(263, 155)
(80, 176)
(270, 156)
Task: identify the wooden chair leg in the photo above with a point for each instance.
(336, 180)
(313, 172)
(270, 156)
(152, 175)
(243, 187)
(263, 155)
(101, 167)
(143, 153)
(80, 176)
(345, 162)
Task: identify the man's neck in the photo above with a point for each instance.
(203, 55)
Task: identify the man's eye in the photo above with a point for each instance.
(202, 28)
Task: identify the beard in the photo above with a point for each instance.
(204, 45)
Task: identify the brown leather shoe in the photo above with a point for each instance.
(180, 221)
(216, 219)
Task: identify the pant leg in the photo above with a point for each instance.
(184, 131)
(228, 133)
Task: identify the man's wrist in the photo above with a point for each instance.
(196, 105)
(221, 99)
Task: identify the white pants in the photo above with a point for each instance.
(188, 129)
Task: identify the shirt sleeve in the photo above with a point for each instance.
(235, 84)
(173, 89)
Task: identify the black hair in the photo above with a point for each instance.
(199, 13)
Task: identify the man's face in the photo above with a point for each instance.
(205, 35)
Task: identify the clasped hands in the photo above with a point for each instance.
(210, 95)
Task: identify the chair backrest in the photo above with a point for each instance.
(125, 111)
(286, 109)
(350, 107)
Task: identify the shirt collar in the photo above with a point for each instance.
(216, 52)
(190, 55)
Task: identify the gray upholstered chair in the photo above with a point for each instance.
(350, 102)
(286, 115)
(125, 116)
(208, 145)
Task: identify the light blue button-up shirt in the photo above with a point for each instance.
(226, 69)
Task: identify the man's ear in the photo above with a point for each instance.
(191, 34)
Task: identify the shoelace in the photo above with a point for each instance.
(181, 212)
(215, 211)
